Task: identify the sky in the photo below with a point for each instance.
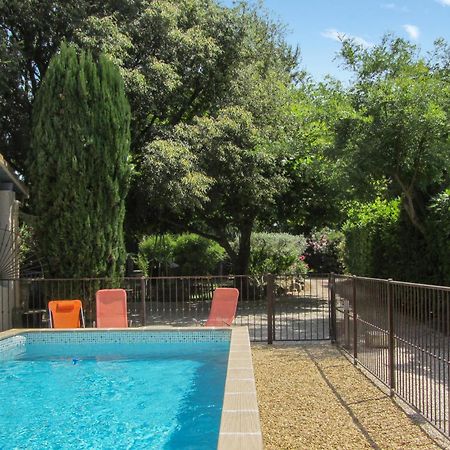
(316, 26)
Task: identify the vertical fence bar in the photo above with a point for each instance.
(332, 293)
(355, 322)
(270, 299)
(144, 312)
(391, 349)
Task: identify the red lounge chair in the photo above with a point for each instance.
(112, 308)
(66, 314)
(223, 307)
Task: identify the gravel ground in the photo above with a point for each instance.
(311, 397)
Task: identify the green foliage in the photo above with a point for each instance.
(315, 179)
(277, 253)
(79, 167)
(231, 179)
(324, 251)
(226, 140)
(155, 255)
(196, 255)
(380, 241)
(439, 228)
(31, 34)
(185, 254)
(371, 238)
(401, 134)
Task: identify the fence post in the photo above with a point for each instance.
(143, 308)
(332, 291)
(270, 315)
(391, 349)
(355, 323)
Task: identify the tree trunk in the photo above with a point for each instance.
(409, 205)
(242, 259)
(410, 209)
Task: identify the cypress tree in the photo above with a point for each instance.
(79, 166)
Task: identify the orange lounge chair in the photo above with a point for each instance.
(66, 314)
(223, 307)
(111, 308)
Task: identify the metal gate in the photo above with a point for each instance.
(300, 308)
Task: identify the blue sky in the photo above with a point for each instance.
(316, 24)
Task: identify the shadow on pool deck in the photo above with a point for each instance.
(311, 397)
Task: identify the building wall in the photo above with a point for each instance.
(9, 264)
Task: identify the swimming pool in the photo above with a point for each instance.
(112, 389)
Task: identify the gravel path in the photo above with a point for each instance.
(311, 397)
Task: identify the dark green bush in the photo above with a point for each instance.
(371, 238)
(155, 255)
(439, 234)
(196, 255)
(381, 242)
(185, 254)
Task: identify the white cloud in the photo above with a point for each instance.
(340, 36)
(444, 2)
(395, 7)
(412, 30)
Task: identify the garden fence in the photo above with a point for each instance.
(399, 332)
(285, 307)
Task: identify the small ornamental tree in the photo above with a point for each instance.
(79, 166)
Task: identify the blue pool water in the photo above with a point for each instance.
(107, 396)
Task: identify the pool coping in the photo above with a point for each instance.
(240, 426)
(240, 423)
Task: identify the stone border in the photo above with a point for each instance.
(240, 425)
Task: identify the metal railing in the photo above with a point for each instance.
(400, 333)
(293, 307)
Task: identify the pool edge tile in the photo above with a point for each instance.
(240, 423)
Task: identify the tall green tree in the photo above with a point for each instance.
(180, 60)
(79, 166)
(221, 169)
(401, 134)
(318, 186)
(238, 178)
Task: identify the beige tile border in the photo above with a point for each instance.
(240, 425)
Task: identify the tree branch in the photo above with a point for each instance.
(178, 116)
(409, 205)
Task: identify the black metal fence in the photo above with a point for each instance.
(400, 333)
(298, 308)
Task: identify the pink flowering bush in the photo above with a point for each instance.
(323, 251)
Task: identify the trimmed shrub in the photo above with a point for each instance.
(185, 254)
(196, 255)
(155, 257)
